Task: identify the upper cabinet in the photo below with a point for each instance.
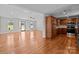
(61, 22)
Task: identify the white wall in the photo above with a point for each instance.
(0, 25)
(4, 24)
(9, 12)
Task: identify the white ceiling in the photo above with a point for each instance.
(42, 8)
(51, 9)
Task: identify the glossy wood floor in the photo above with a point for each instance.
(34, 43)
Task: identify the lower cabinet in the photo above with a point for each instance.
(61, 31)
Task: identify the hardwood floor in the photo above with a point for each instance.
(34, 43)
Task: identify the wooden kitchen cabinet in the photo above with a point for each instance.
(50, 27)
(61, 21)
(64, 30)
(61, 30)
(61, 24)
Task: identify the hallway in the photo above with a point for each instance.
(33, 43)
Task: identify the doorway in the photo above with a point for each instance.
(22, 25)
